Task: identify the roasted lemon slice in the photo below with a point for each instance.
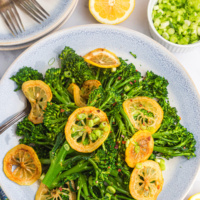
(146, 183)
(76, 92)
(28, 167)
(44, 193)
(139, 149)
(102, 58)
(86, 129)
(38, 93)
(195, 197)
(111, 11)
(88, 87)
(144, 113)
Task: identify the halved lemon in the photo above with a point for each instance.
(38, 93)
(87, 128)
(61, 193)
(88, 86)
(140, 148)
(144, 113)
(195, 197)
(76, 92)
(27, 165)
(146, 183)
(111, 11)
(102, 58)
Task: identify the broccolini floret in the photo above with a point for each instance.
(56, 116)
(26, 74)
(73, 64)
(36, 136)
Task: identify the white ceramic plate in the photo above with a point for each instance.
(25, 45)
(180, 172)
(58, 10)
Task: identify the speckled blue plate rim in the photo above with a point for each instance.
(62, 9)
(180, 68)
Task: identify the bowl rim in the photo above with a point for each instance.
(149, 17)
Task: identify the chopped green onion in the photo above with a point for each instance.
(178, 21)
(81, 116)
(138, 165)
(134, 55)
(51, 61)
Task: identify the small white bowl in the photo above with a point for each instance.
(156, 36)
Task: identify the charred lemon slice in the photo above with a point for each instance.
(88, 87)
(146, 183)
(38, 93)
(87, 128)
(144, 113)
(102, 58)
(139, 149)
(26, 163)
(76, 92)
(61, 193)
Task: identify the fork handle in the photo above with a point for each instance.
(12, 121)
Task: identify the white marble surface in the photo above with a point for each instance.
(138, 22)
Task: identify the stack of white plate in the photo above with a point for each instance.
(59, 10)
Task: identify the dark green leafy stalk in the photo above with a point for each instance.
(26, 74)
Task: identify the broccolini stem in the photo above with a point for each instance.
(74, 159)
(127, 120)
(80, 167)
(98, 72)
(122, 128)
(171, 151)
(134, 91)
(84, 184)
(111, 128)
(122, 197)
(91, 192)
(120, 190)
(58, 96)
(124, 82)
(45, 161)
(110, 82)
(79, 192)
(105, 102)
(166, 133)
(56, 165)
(95, 168)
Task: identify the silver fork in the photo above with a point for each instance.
(33, 9)
(11, 17)
(17, 117)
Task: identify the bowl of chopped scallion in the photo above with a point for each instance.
(175, 23)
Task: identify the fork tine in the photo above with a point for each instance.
(8, 25)
(39, 6)
(18, 17)
(10, 21)
(29, 8)
(29, 14)
(15, 22)
(31, 4)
